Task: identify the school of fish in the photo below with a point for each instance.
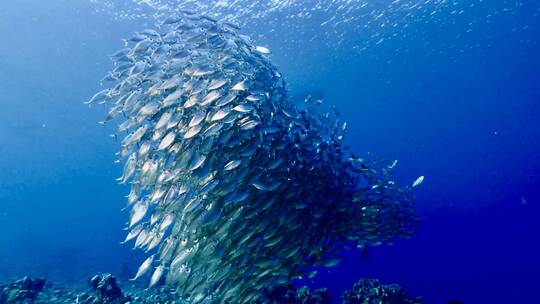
(233, 187)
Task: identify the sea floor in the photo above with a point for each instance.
(105, 289)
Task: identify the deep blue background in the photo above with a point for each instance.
(454, 97)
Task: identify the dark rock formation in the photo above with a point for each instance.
(371, 291)
(106, 290)
(288, 294)
(23, 291)
(317, 296)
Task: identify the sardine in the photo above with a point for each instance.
(143, 269)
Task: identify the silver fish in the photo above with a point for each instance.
(244, 108)
(210, 98)
(163, 120)
(138, 212)
(193, 131)
(172, 98)
(167, 141)
(226, 100)
(149, 109)
(129, 168)
(198, 117)
(99, 97)
(156, 276)
(262, 50)
(233, 164)
(170, 84)
(143, 269)
(216, 84)
(240, 86)
(220, 114)
(418, 181)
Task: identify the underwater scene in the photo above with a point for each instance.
(246, 151)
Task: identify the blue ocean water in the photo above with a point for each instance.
(449, 88)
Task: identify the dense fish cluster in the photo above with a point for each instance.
(234, 188)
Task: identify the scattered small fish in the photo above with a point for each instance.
(418, 181)
(262, 50)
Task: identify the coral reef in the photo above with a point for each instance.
(23, 291)
(106, 289)
(371, 291)
(103, 289)
(290, 295)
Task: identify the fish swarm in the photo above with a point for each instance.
(233, 187)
